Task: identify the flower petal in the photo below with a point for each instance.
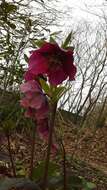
(57, 76)
(48, 48)
(69, 67)
(37, 101)
(29, 76)
(37, 64)
(43, 112)
(30, 113)
(25, 102)
(32, 86)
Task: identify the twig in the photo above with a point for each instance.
(10, 154)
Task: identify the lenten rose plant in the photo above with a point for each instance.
(48, 66)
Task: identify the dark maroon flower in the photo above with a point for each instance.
(53, 61)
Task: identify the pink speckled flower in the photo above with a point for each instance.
(53, 61)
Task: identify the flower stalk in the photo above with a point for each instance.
(51, 129)
(64, 167)
(32, 151)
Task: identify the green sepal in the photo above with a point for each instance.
(45, 86)
(52, 40)
(58, 92)
(39, 43)
(55, 33)
(67, 41)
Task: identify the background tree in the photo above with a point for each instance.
(91, 82)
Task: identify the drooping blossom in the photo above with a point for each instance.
(37, 108)
(53, 61)
(34, 100)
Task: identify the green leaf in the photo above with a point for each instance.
(20, 170)
(58, 92)
(67, 40)
(90, 185)
(52, 40)
(38, 171)
(87, 185)
(39, 43)
(75, 181)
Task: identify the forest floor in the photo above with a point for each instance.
(86, 152)
(89, 147)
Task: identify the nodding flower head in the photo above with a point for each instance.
(53, 61)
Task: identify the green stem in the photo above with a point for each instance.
(51, 129)
(32, 151)
(64, 166)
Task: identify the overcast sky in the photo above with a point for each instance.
(79, 7)
(82, 9)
